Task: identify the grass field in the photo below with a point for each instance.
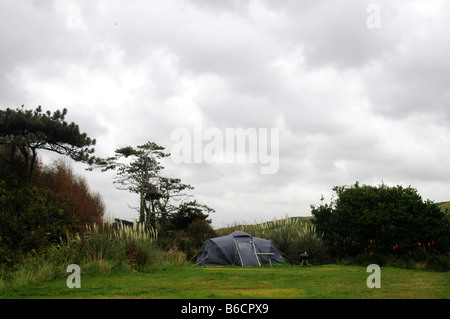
(232, 282)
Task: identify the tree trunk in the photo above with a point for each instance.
(32, 163)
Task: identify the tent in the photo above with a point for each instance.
(238, 248)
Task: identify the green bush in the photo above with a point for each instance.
(189, 239)
(30, 219)
(376, 222)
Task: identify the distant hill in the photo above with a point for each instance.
(444, 205)
(297, 221)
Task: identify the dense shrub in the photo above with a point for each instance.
(73, 191)
(186, 229)
(30, 219)
(36, 214)
(380, 221)
(188, 240)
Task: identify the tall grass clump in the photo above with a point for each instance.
(101, 248)
(136, 232)
(110, 244)
(313, 243)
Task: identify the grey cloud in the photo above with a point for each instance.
(350, 101)
(413, 83)
(336, 34)
(413, 78)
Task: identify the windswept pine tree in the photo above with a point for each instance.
(25, 132)
(139, 171)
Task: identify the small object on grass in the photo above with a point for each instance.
(304, 257)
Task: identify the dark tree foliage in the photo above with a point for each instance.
(385, 220)
(188, 213)
(26, 131)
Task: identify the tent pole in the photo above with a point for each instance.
(239, 253)
(254, 249)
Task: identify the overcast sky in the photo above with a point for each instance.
(359, 90)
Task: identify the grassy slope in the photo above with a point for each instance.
(444, 205)
(280, 282)
(231, 228)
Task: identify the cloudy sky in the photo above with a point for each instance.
(359, 90)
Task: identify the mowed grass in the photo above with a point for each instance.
(232, 282)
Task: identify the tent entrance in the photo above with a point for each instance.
(247, 253)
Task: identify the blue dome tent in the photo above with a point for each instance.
(238, 248)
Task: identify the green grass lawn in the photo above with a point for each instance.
(232, 282)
